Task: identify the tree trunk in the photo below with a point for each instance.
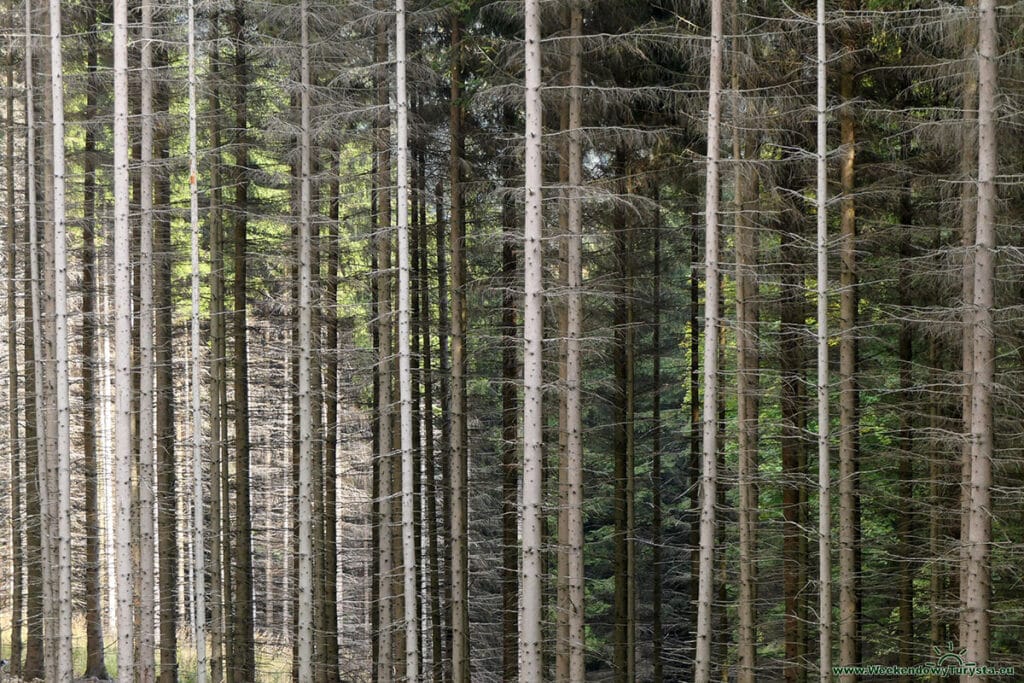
(905, 525)
(33, 666)
(747, 390)
(573, 360)
(243, 647)
(849, 420)
(792, 407)
(122, 352)
(458, 435)
(409, 559)
(824, 480)
(330, 522)
(625, 564)
(530, 634)
(198, 521)
(219, 501)
(657, 628)
(386, 561)
(305, 502)
(430, 489)
(709, 477)
(696, 428)
(163, 357)
(969, 132)
(16, 450)
(509, 436)
(146, 607)
(975, 616)
(63, 398)
(94, 661)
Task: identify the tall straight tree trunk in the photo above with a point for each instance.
(409, 475)
(444, 325)
(530, 634)
(219, 503)
(243, 648)
(430, 489)
(824, 476)
(509, 437)
(330, 522)
(849, 421)
(792, 408)
(709, 476)
(562, 570)
(385, 413)
(95, 665)
(975, 616)
(305, 502)
(46, 351)
(747, 381)
(459, 434)
(63, 396)
(905, 527)
(657, 514)
(198, 521)
(163, 360)
(145, 578)
(33, 665)
(624, 441)
(13, 426)
(969, 131)
(573, 357)
(122, 352)
(696, 427)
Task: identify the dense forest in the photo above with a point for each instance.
(473, 340)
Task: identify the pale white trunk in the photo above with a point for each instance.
(106, 473)
(573, 359)
(147, 539)
(305, 615)
(122, 353)
(63, 453)
(978, 575)
(824, 479)
(409, 562)
(530, 636)
(198, 530)
(712, 268)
